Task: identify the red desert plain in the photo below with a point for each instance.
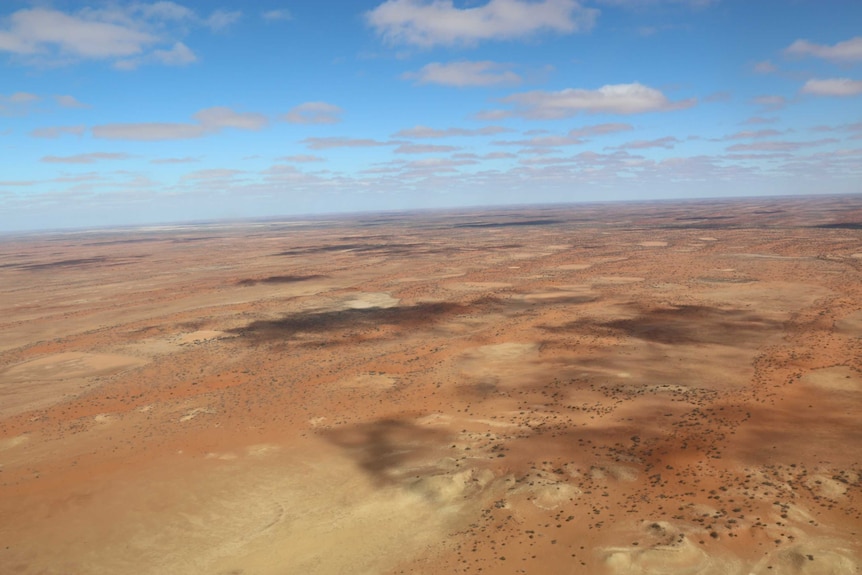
(672, 387)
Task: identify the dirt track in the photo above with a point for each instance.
(663, 388)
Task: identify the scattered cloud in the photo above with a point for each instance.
(67, 101)
(722, 96)
(276, 15)
(420, 132)
(599, 130)
(41, 30)
(183, 160)
(770, 102)
(465, 73)
(52, 132)
(213, 174)
(757, 120)
(338, 142)
(148, 131)
(667, 143)
(639, 4)
(610, 99)
(302, 158)
(753, 134)
(126, 34)
(90, 158)
(222, 19)
(439, 22)
(542, 142)
(847, 51)
(218, 117)
(764, 67)
(778, 146)
(314, 113)
(833, 87)
(209, 121)
(424, 149)
(178, 55)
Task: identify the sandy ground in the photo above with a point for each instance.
(670, 388)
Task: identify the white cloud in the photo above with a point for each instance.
(638, 4)
(778, 146)
(599, 130)
(210, 121)
(764, 67)
(183, 160)
(314, 113)
(770, 102)
(148, 131)
(753, 134)
(667, 143)
(338, 142)
(218, 117)
(302, 158)
(757, 120)
(38, 30)
(221, 19)
(847, 51)
(611, 99)
(178, 55)
(420, 132)
(85, 158)
(165, 11)
(128, 34)
(276, 15)
(833, 87)
(464, 73)
(439, 22)
(67, 101)
(52, 132)
(213, 174)
(424, 149)
(21, 98)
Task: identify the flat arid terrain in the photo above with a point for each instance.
(672, 387)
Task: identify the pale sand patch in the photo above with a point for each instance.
(841, 378)
(820, 556)
(13, 442)
(616, 280)
(504, 364)
(858, 256)
(574, 293)
(195, 412)
(574, 267)
(368, 381)
(653, 244)
(678, 558)
(48, 380)
(708, 239)
(527, 255)
(69, 365)
(371, 300)
(850, 325)
(474, 286)
(553, 495)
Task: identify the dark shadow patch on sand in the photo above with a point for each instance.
(384, 447)
(686, 324)
(358, 321)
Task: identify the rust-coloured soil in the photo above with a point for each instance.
(623, 389)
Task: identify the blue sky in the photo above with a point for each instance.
(117, 113)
